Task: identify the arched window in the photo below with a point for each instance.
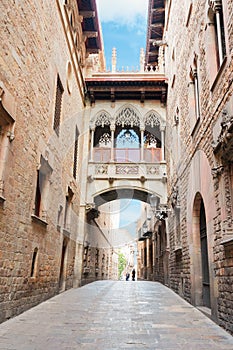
(127, 132)
(105, 140)
(102, 136)
(152, 135)
(216, 18)
(127, 138)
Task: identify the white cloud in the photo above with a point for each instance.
(122, 11)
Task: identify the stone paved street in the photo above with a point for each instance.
(108, 315)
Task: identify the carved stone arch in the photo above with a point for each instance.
(101, 125)
(152, 118)
(128, 115)
(119, 192)
(102, 118)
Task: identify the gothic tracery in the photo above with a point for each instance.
(128, 116)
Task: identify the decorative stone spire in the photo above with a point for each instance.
(114, 60)
(161, 59)
(142, 60)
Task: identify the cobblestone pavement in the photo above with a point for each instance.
(108, 315)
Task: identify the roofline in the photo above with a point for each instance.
(97, 24)
(137, 78)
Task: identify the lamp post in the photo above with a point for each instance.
(159, 212)
(154, 201)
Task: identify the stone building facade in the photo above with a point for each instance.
(199, 67)
(190, 248)
(42, 68)
(60, 114)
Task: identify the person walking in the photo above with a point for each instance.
(133, 275)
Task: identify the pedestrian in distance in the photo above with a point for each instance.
(127, 276)
(133, 275)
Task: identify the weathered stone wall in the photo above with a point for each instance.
(192, 158)
(100, 259)
(34, 50)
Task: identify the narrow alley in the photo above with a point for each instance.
(108, 315)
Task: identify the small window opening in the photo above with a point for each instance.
(58, 103)
(34, 260)
(75, 153)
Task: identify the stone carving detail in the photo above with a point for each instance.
(217, 171)
(228, 199)
(105, 140)
(126, 169)
(101, 169)
(216, 5)
(152, 170)
(226, 121)
(102, 119)
(1, 188)
(128, 117)
(152, 120)
(224, 140)
(175, 199)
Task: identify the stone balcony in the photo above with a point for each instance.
(127, 164)
(127, 155)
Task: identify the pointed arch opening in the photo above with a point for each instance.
(201, 278)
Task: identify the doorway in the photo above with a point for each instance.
(62, 277)
(204, 258)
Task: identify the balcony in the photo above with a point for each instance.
(127, 163)
(126, 155)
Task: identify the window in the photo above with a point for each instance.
(42, 189)
(194, 96)
(75, 153)
(6, 137)
(67, 219)
(58, 103)
(97, 258)
(216, 35)
(59, 216)
(34, 262)
(219, 32)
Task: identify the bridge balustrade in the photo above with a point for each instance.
(127, 155)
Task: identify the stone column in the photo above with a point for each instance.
(112, 143)
(162, 130)
(142, 145)
(142, 60)
(114, 60)
(92, 144)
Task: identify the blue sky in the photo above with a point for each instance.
(130, 213)
(124, 25)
